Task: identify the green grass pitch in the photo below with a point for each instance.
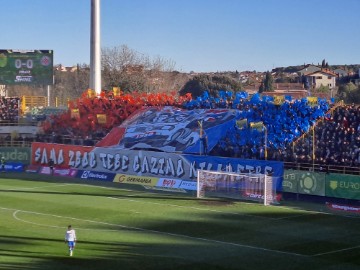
(124, 227)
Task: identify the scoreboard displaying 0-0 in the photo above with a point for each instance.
(26, 67)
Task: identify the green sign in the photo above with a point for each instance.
(310, 183)
(26, 67)
(343, 186)
(16, 154)
(290, 181)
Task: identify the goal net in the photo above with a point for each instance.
(255, 187)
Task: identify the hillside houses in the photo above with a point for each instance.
(322, 77)
(297, 81)
(308, 69)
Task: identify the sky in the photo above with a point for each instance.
(196, 35)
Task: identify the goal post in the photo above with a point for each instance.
(242, 186)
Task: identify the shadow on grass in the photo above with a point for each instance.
(90, 256)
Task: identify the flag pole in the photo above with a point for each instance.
(200, 123)
(313, 146)
(265, 141)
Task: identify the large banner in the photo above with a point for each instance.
(66, 156)
(302, 182)
(148, 163)
(172, 129)
(343, 186)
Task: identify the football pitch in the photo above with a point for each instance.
(128, 227)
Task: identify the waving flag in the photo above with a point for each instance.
(241, 123)
(279, 100)
(257, 125)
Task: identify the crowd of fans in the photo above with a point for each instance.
(9, 109)
(296, 131)
(90, 119)
(335, 140)
(282, 123)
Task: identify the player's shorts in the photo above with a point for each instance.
(71, 244)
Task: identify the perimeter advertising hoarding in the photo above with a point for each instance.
(301, 182)
(14, 167)
(166, 184)
(343, 186)
(26, 67)
(16, 154)
(92, 175)
(136, 180)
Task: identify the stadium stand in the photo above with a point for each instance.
(320, 136)
(336, 140)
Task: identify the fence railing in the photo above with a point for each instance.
(19, 123)
(327, 168)
(10, 143)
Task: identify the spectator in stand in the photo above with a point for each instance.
(337, 138)
(9, 109)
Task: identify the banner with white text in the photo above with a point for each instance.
(148, 163)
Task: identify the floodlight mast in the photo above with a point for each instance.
(95, 49)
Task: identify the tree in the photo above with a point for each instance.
(70, 85)
(134, 71)
(354, 96)
(323, 63)
(349, 92)
(323, 89)
(268, 82)
(261, 88)
(342, 92)
(194, 87)
(213, 84)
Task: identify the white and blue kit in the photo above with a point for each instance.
(70, 238)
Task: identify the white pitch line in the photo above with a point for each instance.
(335, 251)
(33, 223)
(141, 194)
(190, 207)
(40, 187)
(311, 212)
(54, 226)
(160, 232)
(67, 184)
(111, 188)
(296, 216)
